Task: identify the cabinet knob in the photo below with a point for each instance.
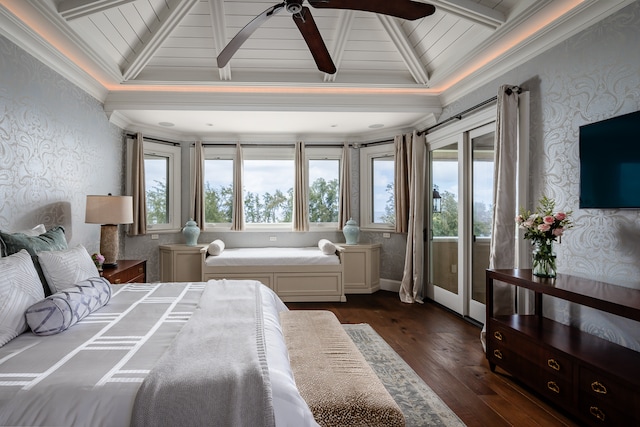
(597, 412)
(498, 354)
(497, 335)
(598, 387)
(553, 386)
(140, 269)
(553, 364)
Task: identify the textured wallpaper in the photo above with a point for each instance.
(56, 146)
(592, 76)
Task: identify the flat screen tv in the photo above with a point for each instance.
(610, 163)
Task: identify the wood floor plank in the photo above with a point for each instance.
(445, 351)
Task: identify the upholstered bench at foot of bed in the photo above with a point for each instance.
(333, 377)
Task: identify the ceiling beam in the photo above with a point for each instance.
(405, 49)
(219, 27)
(150, 45)
(471, 11)
(340, 39)
(74, 9)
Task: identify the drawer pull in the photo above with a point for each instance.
(497, 335)
(139, 269)
(551, 385)
(498, 354)
(117, 281)
(553, 364)
(598, 387)
(596, 412)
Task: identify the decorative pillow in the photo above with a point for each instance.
(20, 287)
(52, 240)
(216, 247)
(327, 247)
(60, 311)
(65, 268)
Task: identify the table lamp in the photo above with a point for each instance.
(109, 211)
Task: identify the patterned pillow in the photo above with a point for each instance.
(65, 268)
(20, 287)
(60, 311)
(52, 240)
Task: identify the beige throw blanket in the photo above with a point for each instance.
(215, 371)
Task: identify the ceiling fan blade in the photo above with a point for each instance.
(404, 9)
(230, 49)
(309, 30)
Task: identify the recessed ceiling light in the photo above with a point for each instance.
(376, 126)
(166, 124)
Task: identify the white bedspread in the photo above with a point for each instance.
(272, 256)
(89, 375)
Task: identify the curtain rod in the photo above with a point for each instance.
(160, 141)
(458, 116)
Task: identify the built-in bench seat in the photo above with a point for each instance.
(332, 375)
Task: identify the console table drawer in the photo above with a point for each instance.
(608, 391)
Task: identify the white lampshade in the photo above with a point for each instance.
(109, 210)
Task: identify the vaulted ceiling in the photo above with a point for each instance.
(153, 62)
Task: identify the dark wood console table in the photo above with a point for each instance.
(595, 380)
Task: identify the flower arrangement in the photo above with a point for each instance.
(98, 259)
(543, 227)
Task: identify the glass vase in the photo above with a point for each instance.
(544, 259)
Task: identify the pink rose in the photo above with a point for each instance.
(561, 216)
(519, 219)
(544, 227)
(548, 219)
(558, 231)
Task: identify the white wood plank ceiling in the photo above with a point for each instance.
(155, 60)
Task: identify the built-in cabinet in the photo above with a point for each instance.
(361, 268)
(181, 263)
(592, 378)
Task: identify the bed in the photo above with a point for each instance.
(91, 373)
(305, 274)
(77, 350)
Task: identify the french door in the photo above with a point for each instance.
(461, 163)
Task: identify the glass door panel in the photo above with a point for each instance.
(444, 250)
(482, 156)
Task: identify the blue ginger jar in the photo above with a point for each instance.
(191, 231)
(351, 232)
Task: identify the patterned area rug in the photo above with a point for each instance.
(419, 404)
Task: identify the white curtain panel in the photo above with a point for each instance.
(197, 207)
(138, 189)
(503, 231)
(300, 191)
(345, 187)
(411, 287)
(238, 204)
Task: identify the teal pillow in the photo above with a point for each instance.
(52, 240)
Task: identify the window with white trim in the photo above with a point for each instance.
(219, 167)
(323, 167)
(162, 186)
(377, 187)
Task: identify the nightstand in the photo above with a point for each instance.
(181, 263)
(361, 264)
(127, 271)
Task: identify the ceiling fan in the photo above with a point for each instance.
(405, 9)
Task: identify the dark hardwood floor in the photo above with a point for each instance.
(445, 351)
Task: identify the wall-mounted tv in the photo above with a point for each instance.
(610, 163)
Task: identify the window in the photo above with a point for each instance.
(162, 185)
(218, 186)
(268, 181)
(377, 177)
(323, 166)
